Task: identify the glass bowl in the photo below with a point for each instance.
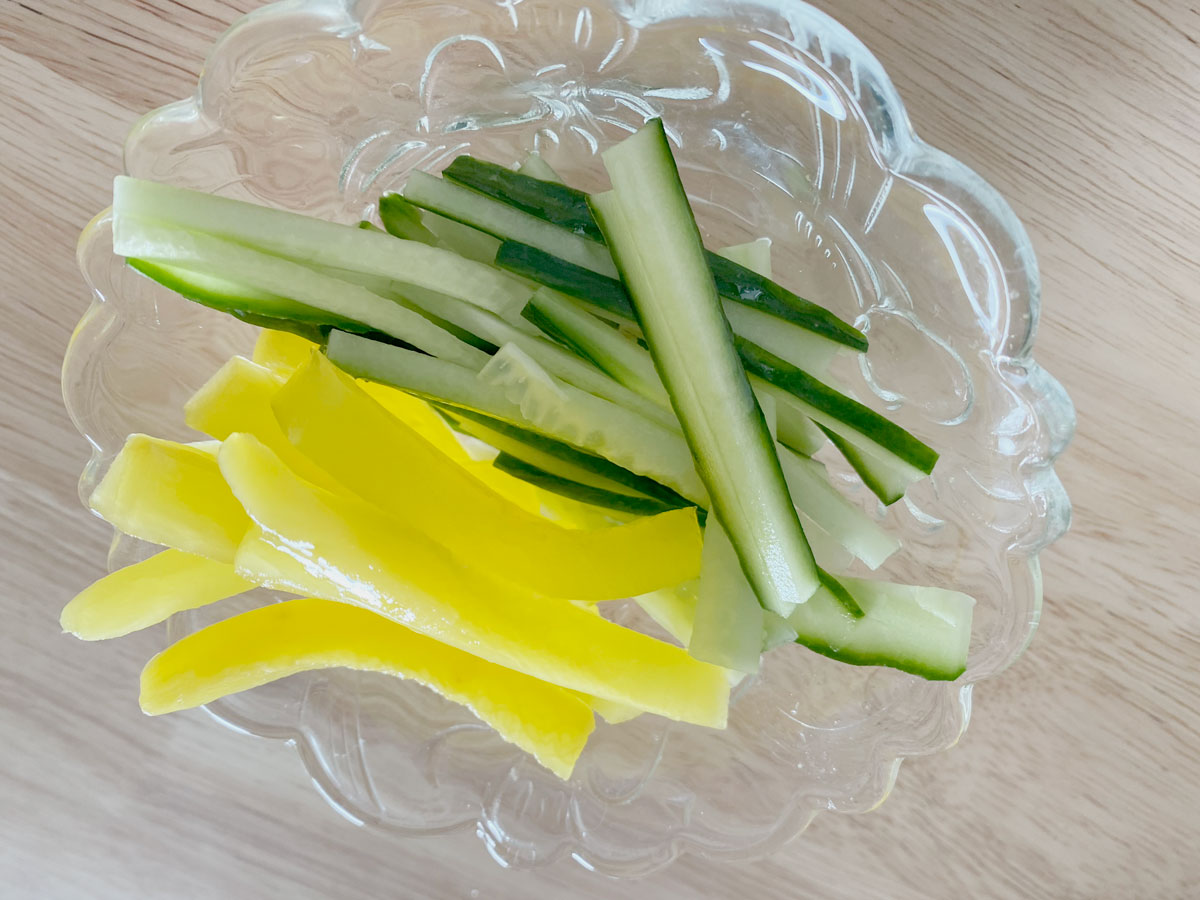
(784, 126)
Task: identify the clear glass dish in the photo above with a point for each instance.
(785, 126)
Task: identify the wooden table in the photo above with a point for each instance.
(1079, 776)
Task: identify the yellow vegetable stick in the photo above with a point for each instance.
(674, 609)
(613, 713)
(171, 494)
(282, 639)
(238, 398)
(282, 351)
(386, 463)
(147, 593)
(313, 542)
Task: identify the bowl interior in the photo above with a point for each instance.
(784, 127)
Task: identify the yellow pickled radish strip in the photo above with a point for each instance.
(147, 593)
(377, 457)
(424, 420)
(171, 494)
(284, 353)
(238, 398)
(282, 350)
(674, 609)
(613, 713)
(313, 542)
(282, 639)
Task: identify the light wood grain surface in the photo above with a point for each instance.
(1079, 777)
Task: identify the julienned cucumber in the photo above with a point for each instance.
(807, 481)
(728, 627)
(164, 244)
(755, 255)
(535, 166)
(308, 240)
(812, 493)
(600, 291)
(649, 227)
(559, 459)
(403, 220)
(454, 201)
(796, 429)
(629, 363)
(595, 424)
(568, 209)
(574, 490)
(557, 361)
(622, 358)
(549, 200)
(229, 296)
(922, 630)
(840, 414)
(258, 308)
(884, 478)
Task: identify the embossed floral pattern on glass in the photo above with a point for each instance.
(785, 126)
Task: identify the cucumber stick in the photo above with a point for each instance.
(854, 529)
(575, 490)
(623, 359)
(728, 627)
(629, 363)
(790, 342)
(796, 429)
(403, 220)
(922, 630)
(208, 254)
(885, 479)
(558, 459)
(551, 201)
(535, 166)
(650, 228)
(818, 502)
(797, 345)
(553, 358)
(594, 424)
(235, 298)
(754, 255)
(568, 210)
(469, 207)
(601, 291)
(840, 414)
(308, 240)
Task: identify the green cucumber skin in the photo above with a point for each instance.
(865, 658)
(888, 491)
(736, 282)
(274, 312)
(302, 239)
(598, 465)
(677, 304)
(552, 201)
(568, 208)
(254, 307)
(403, 220)
(840, 594)
(914, 639)
(804, 387)
(567, 278)
(536, 317)
(573, 490)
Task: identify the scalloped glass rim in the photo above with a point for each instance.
(638, 800)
